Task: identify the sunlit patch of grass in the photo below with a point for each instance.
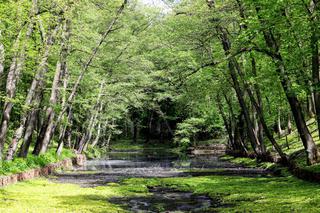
(41, 195)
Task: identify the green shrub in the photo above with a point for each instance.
(23, 164)
(187, 131)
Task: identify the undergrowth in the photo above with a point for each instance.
(23, 164)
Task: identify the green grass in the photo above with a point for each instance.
(243, 194)
(23, 164)
(41, 195)
(248, 162)
(239, 194)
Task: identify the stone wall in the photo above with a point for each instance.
(79, 160)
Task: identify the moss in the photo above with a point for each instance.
(248, 162)
(244, 194)
(41, 195)
(238, 194)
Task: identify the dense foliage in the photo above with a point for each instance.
(81, 73)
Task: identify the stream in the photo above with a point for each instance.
(156, 163)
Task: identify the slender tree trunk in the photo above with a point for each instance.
(289, 125)
(13, 77)
(240, 95)
(2, 57)
(84, 70)
(235, 128)
(34, 90)
(305, 135)
(314, 44)
(31, 124)
(226, 123)
(280, 131)
(65, 134)
(65, 129)
(108, 141)
(96, 140)
(48, 124)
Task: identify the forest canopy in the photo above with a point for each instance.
(79, 74)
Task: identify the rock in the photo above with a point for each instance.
(79, 160)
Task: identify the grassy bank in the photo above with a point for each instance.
(23, 164)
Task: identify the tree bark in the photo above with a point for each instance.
(33, 92)
(96, 140)
(227, 124)
(232, 63)
(31, 125)
(86, 66)
(314, 45)
(13, 77)
(2, 57)
(48, 123)
(305, 135)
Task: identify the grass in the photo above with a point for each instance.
(23, 164)
(237, 194)
(41, 195)
(243, 194)
(248, 162)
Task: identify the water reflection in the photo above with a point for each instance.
(154, 158)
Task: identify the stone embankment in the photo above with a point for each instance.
(79, 160)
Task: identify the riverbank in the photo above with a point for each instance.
(22, 169)
(123, 181)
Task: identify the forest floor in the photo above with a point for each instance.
(130, 180)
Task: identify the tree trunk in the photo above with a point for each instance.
(86, 66)
(314, 44)
(226, 124)
(307, 140)
(13, 77)
(289, 125)
(48, 124)
(2, 57)
(280, 131)
(31, 124)
(96, 140)
(34, 90)
(236, 85)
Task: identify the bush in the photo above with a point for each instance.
(23, 164)
(187, 131)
